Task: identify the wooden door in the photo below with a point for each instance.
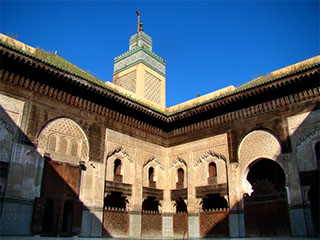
(267, 217)
(58, 211)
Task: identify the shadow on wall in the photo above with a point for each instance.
(39, 195)
(274, 207)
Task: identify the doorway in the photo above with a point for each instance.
(266, 209)
(58, 211)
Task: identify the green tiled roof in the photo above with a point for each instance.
(60, 62)
(252, 84)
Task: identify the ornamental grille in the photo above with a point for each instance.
(128, 81)
(65, 128)
(152, 88)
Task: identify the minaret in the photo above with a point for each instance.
(140, 70)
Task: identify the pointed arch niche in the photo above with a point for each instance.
(153, 173)
(179, 172)
(119, 166)
(211, 169)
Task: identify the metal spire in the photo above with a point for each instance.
(140, 24)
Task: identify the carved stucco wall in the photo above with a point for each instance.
(304, 130)
(126, 164)
(258, 144)
(24, 177)
(197, 156)
(254, 146)
(136, 156)
(175, 164)
(70, 144)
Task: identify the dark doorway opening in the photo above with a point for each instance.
(67, 217)
(181, 206)
(150, 204)
(48, 226)
(266, 209)
(214, 201)
(267, 171)
(115, 200)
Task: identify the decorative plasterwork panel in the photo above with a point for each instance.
(176, 161)
(152, 88)
(208, 154)
(259, 144)
(66, 131)
(128, 81)
(153, 159)
(305, 138)
(140, 55)
(122, 150)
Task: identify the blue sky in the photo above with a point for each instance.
(207, 45)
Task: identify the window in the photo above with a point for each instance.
(117, 171)
(180, 175)
(74, 148)
(63, 146)
(52, 143)
(151, 178)
(212, 179)
(212, 170)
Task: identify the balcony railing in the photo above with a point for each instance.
(152, 184)
(212, 180)
(179, 185)
(117, 178)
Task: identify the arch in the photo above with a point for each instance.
(180, 174)
(155, 160)
(74, 148)
(264, 171)
(180, 178)
(180, 205)
(63, 145)
(212, 169)
(121, 150)
(177, 161)
(207, 155)
(64, 129)
(203, 174)
(150, 204)
(259, 144)
(265, 201)
(52, 145)
(117, 167)
(151, 177)
(121, 159)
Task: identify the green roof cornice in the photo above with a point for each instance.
(142, 35)
(98, 83)
(57, 62)
(246, 87)
(60, 64)
(137, 49)
(139, 61)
